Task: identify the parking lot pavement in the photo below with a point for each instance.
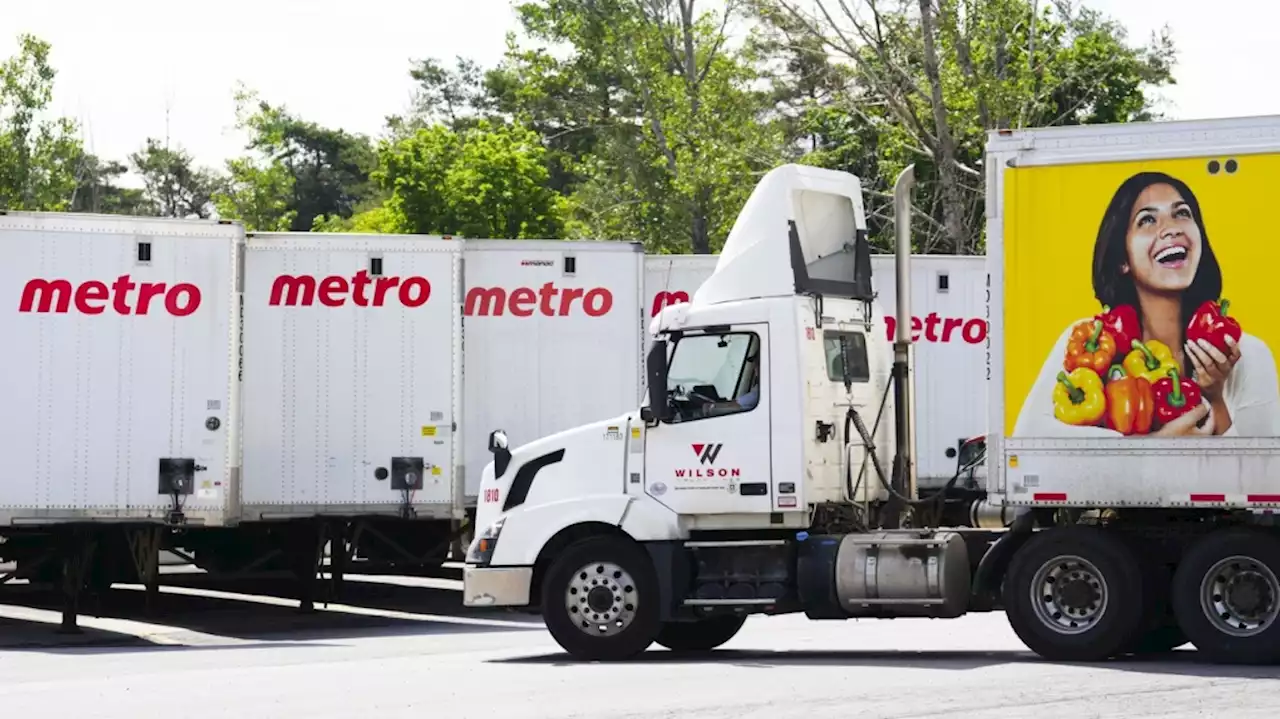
(399, 647)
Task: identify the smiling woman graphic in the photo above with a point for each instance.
(1159, 359)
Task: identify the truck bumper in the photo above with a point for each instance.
(496, 586)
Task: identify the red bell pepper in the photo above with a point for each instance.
(1210, 322)
(1122, 323)
(1130, 402)
(1175, 397)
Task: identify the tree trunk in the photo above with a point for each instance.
(953, 202)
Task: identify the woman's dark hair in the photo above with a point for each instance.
(1111, 251)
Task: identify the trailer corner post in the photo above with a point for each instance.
(902, 375)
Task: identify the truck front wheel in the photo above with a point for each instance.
(1075, 594)
(1226, 596)
(700, 636)
(600, 599)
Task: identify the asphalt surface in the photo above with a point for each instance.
(404, 647)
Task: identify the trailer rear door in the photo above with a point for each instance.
(352, 374)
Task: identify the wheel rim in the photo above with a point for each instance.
(1239, 596)
(601, 599)
(1069, 594)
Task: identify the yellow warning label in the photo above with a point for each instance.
(428, 431)
(435, 472)
(635, 433)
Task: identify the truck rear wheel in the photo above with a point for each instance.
(1226, 596)
(700, 636)
(600, 599)
(1075, 594)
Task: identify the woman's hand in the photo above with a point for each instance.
(1185, 426)
(1212, 365)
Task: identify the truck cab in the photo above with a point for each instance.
(748, 435)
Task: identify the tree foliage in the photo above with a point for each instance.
(38, 157)
(644, 120)
(487, 180)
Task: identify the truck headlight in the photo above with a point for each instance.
(481, 550)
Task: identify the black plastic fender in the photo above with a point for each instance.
(816, 575)
(989, 575)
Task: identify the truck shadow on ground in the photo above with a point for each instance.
(1183, 662)
(423, 610)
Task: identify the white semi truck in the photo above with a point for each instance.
(949, 332)
(1134, 427)
(254, 396)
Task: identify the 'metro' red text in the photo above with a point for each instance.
(548, 300)
(94, 297)
(664, 298)
(361, 289)
(972, 330)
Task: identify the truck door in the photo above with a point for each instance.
(714, 455)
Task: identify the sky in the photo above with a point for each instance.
(129, 69)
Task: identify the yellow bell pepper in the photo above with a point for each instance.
(1078, 398)
(1151, 359)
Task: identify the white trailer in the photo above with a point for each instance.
(949, 327)
(550, 338)
(1135, 426)
(352, 396)
(120, 381)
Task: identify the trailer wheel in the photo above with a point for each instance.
(1226, 596)
(700, 636)
(600, 599)
(1075, 594)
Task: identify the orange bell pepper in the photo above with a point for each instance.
(1131, 402)
(1090, 346)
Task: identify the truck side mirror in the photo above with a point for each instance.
(501, 452)
(656, 370)
(972, 452)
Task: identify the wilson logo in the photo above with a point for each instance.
(707, 453)
(94, 297)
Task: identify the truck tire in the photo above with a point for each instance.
(1226, 597)
(600, 599)
(700, 636)
(1075, 594)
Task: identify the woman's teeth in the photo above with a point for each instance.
(1171, 255)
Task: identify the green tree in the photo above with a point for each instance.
(173, 185)
(378, 220)
(483, 181)
(652, 119)
(98, 189)
(257, 193)
(301, 171)
(38, 158)
(935, 75)
(456, 97)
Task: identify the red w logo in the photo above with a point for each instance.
(707, 453)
